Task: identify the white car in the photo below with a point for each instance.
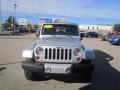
(58, 51)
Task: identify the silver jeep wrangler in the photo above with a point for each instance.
(58, 51)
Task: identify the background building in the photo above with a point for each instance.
(96, 28)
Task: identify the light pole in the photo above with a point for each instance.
(0, 15)
(14, 19)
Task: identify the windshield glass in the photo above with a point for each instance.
(60, 29)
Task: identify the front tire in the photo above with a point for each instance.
(30, 75)
(85, 76)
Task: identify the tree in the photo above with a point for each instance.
(36, 26)
(117, 27)
(10, 20)
(29, 26)
(8, 23)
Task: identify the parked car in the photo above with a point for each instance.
(9, 32)
(114, 40)
(92, 34)
(6, 32)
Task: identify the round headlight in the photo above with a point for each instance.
(77, 51)
(39, 50)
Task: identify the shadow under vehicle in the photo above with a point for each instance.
(105, 77)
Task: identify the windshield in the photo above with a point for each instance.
(60, 29)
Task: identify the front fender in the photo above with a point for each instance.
(89, 54)
(28, 51)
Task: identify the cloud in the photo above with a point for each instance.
(71, 8)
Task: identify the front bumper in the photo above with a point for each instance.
(46, 68)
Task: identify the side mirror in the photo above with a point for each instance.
(81, 35)
(37, 33)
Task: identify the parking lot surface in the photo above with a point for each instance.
(106, 75)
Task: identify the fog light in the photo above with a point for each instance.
(47, 69)
(78, 59)
(67, 69)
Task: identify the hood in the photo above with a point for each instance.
(58, 41)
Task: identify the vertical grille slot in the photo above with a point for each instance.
(50, 53)
(66, 51)
(46, 53)
(54, 53)
(70, 54)
(62, 54)
(58, 52)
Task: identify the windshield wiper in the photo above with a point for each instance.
(68, 35)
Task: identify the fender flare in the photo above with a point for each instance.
(89, 54)
(28, 52)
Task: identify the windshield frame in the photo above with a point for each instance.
(66, 26)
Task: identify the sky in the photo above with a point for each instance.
(75, 11)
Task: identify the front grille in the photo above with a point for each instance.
(58, 54)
